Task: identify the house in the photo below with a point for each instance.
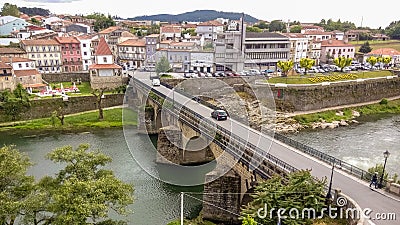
(30, 31)
(86, 50)
(70, 53)
(331, 49)
(45, 52)
(265, 49)
(170, 32)
(104, 74)
(314, 51)
(114, 35)
(6, 77)
(298, 46)
(380, 37)
(210, 29)
(77, 27)
(12, 52)
(385, 52)
(25, 72)
(353, 35)
(318, 35)
(311, 27)
(132, 53)
(7, 26)
(152, 44)
(338, 35)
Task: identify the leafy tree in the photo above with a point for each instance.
(249, 221)
(295, 29)
(162, 66)
(35, 21)
(365, 48)
(393, 30)
(306, 63)
(83, 192)
(285, 66)
(253, 29)
(102, 21)
(342, 62)
(372, 60)
(191, 31)
(34, 11)
(15, 185)
(15, 103)
(10, 10)
(276, 25)
(299, 191)
(386, 60)
(262, 25)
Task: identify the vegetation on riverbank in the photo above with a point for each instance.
(384, 107)
(112, 119)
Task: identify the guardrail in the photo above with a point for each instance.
(235, 150)
(339, 164)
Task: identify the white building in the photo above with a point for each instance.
(331, 49)
(104, 62)
(210, 29)
(86, 50)
(298, 46)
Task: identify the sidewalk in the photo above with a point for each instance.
(336, 107)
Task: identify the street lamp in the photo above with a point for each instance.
(329, 195)
(386, 155)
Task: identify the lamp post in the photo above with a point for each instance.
(329, 195)
(386, 155)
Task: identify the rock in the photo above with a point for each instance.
(355, 121)
(324, 125)
(343, 123)
(355, 113)
(340, 113)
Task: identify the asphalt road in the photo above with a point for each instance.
(380, 203)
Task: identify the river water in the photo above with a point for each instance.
(156, 203)
(361, 145)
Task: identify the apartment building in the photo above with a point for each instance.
(45, 53)
(70, 53)
(331, 49)
(132, 53)
(298, 46)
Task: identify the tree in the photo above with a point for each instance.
(342, 62)
(15, 103)
(386, 60)
(99, 94)
(276, 25)
(191, 31)
(253, 29)
(372, 60)
(34, 11)
(306, 63)
(262, 25)
(10, 10)
(295, 29)
(393, 30)
(162, 66)
(299, 191)
(15, 185)
(285, 66)
(102, 21)
(365, 48)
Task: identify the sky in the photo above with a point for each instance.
(361, 12)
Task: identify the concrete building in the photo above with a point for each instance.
(115, 35)
(76, 27)
(152, 44)
(7, 25)
(202, 61)
(86, 50)
(104, 62)
(12, 52)
(298, 46)
(46, 53)
(71, 55)
(314, 51)
(318, 35)
(265, 49)
(6, 77)
(171, 32)
(210, 29)
(331, 49)
(30, 31)
(132, 53)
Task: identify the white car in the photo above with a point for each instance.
(156, 82)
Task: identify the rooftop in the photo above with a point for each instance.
(40, 42)
(15, 59)
(384, 51)
(264, 35)
(103, 48)
(67, 40)
(109, 30)
(133, 42)
(335, 43)
(104, 66)
(211, 23)
(11, 51)
(4, 65)
(22, 73)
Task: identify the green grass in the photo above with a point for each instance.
(84, 87)
(112, 119)
(304, 79)
(393, 107)
(378, 44)
(168, 76)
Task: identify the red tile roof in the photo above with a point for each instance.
(103, 48)
(133, 42)
(384, 51)
(3, 65)
(170, 29)
(153, 35)
(40, 42)
(317, 32)
(104, 66)
(294, 35)
(11, 51)
(33, 27)
(211, 23)
(67, 40)
(23, 73)
(335, 43)
(15, 59)
(109, 30)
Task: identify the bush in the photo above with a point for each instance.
(383, 102)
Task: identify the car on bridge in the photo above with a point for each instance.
(219, 114)
(156, 82)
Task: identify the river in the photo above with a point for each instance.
(156, 203)
(362, 144)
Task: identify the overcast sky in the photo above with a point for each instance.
(374, 15)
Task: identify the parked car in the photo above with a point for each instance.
(219, 115)
(156, 82)
(209, 74)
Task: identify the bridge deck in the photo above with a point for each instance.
(351, 186)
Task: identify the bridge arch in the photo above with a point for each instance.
(197, 151)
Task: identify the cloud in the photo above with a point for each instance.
(52, 1)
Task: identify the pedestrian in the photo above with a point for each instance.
(374, 180)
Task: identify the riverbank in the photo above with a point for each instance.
(76, 122)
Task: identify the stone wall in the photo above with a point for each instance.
(45, 107)
(306, 97)
(65, 77)
(107, 82)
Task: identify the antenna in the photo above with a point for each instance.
(362, 18)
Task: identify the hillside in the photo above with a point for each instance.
(196, 16)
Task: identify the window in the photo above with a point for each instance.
(86, 61)
(105, 59)
(4, 71)
(84, 53)
(27, 64)
(33, 56)
(84, 45)
(78, 52)
(19, 65)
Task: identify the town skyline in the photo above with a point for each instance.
(312, 12)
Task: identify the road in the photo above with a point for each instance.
(358, 190)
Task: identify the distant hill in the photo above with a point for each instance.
(196, 16)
